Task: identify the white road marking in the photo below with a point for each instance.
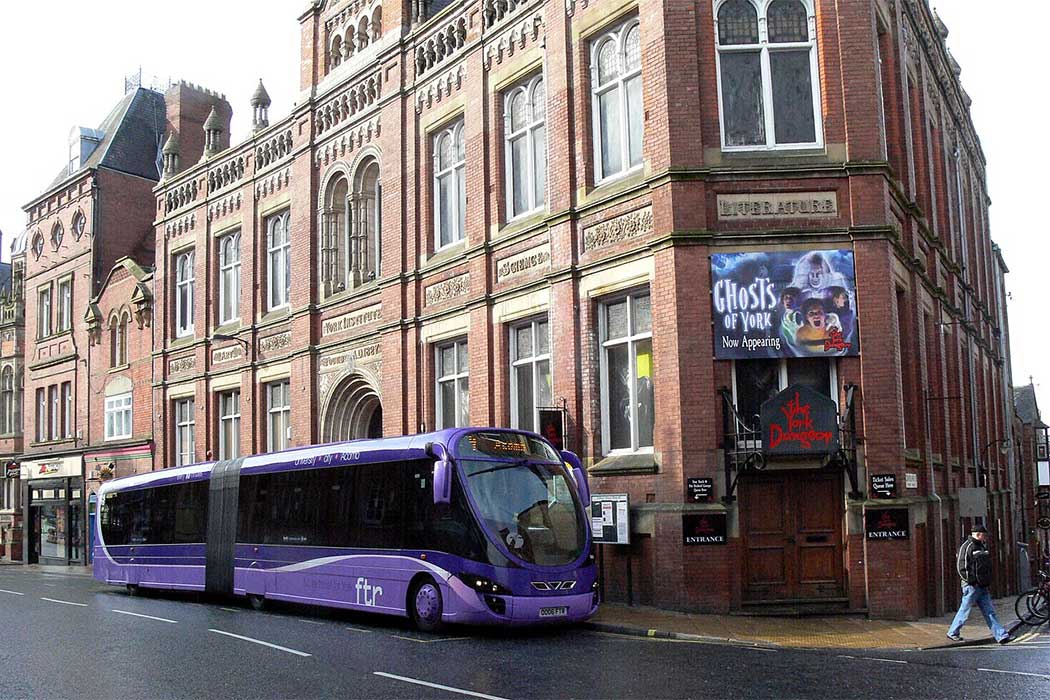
(1015, 673)
(309, 622)
(885, 661)
(11, 592)
(761, 649)
(65, 602)
(409, 639)
(230, 609)
(260, 642)
(51, 585)
(148, 617)
(438, 686)
(358, 629)
(844, 656)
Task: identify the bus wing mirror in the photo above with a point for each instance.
(579, 475)
(442, 481)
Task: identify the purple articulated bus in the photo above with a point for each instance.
(467, 525)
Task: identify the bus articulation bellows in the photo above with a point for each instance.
(468, 525)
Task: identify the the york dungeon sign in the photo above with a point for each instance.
(784, 304)
(799, 421)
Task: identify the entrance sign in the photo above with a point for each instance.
(610, 518)
(886, 524)
(799, 421)
(784, 304)
(883, 485)
(703, 528)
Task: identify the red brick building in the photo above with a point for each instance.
(82, 228)
(477, 209)
(12, 368)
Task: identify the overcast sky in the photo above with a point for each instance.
(63, 64)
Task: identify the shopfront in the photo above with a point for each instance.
(55, 511)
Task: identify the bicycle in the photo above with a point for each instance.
(1033, 606)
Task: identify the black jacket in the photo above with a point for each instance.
(964, 561)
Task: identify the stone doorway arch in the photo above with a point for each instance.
(354, 411)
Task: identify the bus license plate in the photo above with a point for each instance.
(554, 612)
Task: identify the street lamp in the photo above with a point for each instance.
(1004, 447)
(242, 341)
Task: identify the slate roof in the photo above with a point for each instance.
(1026, 405)
(132, 133)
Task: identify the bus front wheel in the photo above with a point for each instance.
(134, 590)
(427, 606)
(256, 601)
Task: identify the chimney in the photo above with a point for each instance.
(188, 108)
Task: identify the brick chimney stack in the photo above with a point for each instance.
(188, 107)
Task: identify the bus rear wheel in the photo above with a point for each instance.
(257, 602)
(134, 590)
(426, 606)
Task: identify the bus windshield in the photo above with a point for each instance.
(530, 506)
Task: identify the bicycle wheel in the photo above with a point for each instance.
(1038, 603)
(1023, 609)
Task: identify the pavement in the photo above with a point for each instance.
(823, 632)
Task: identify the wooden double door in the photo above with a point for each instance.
(791, 526)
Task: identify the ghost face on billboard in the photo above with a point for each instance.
(784, 304)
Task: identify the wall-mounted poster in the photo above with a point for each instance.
(784, 304)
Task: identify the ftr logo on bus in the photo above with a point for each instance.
(369, 593)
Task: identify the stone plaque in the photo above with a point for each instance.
(351, 320)
(349, 359)
(449, 289)
(273, 343)
(534, 258)
(182, 364)
(634, 223)
(778, 205)
(220, 355)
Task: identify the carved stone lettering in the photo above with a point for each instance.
(346, 361)
(352, 320)
(777, 205)
(630, 225)
(448, 289)
(225, 354)
(523, 262)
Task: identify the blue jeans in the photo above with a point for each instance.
(975, 595)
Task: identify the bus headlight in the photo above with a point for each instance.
(482, 584)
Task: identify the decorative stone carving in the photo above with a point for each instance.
(346, 361)
(182, 364)
(275, 148)
(224, 207)
(443, 87)
(227, 354)
(177, 228)
(527, 31)
(539, 257)
(440, 46)
(357, 136)
(273, 183)
(448, 289)
(358, 97)
(273, 343)
(351, 320)
(630, 225)
(777, 205)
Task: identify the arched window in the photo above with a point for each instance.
(121, 347)
(278, 262)
(450, 186)
(114, 322)
(184, 283)
(526, 147)
(616, 100)
(7, 400)
(768, 81)
(56, 236)
(350, 229)
(229, 278)
(337, 51)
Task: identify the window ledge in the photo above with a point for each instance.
(229, 327)
(447, 252)
(274, 314)
(523, 221)
(119, 368)
(621, 465)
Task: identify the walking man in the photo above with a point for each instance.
(974, 564)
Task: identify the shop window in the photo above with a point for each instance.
(626, 333)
